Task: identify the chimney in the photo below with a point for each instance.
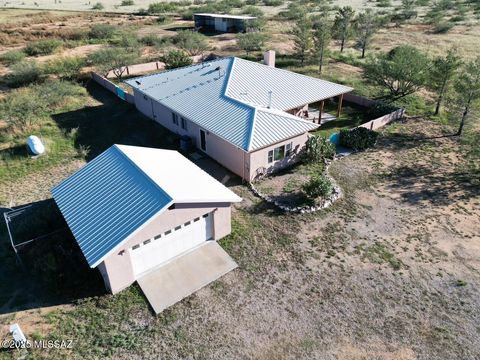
(269, 58)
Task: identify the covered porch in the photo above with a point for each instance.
(315, 111)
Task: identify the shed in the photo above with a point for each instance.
(221, 22)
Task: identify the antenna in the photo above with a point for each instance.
(270, 99)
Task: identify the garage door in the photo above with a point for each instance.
(165, 246)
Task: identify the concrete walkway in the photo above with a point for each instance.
(184, 275)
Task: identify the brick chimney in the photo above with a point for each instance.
(269, 58)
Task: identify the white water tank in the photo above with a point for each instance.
(35, 145)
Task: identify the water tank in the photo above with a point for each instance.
(35, 145)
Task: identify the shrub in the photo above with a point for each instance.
(23, 73)
(102, 31)
(384, 3)
(273, 2)
(318, 185)
(150, 40)
(98, 6)
(65, 68)
(251, 41)
(127, 3)
(162, 7)
(442, 27)
(359, 138)
(24, 107)
(12, 57)
(176, 58)
(380, 109)
(43, 47)
(191, 42)
(318, 148)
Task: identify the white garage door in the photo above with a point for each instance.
(171, 243)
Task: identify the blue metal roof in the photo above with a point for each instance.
(228, 96)
(106, 201)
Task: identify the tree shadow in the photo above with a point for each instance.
(112, 122)
(51, 270)
(423, 183)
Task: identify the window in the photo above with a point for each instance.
(157, 237)
(168, 232)
(184, 124)
(279, 153)
(175, 118)
(288, 149)
(147, 242)
(195, 220)
(187, 223)
(204, 216)
(270, 156)
(178, 227)
(135, 247)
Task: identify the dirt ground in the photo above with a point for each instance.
(389, 272)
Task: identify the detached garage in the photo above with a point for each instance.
(149, 215)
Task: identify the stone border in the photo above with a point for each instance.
(334, 196)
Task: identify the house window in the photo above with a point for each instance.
(178, 227)
(175, 118)
(135, 247)
(168, 232)
(157, 237)
(147, 242)
(184, 124)
(270, 156)
(279, 153)
(288, 149)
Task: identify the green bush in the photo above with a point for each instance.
(442, 27)
(26, 106)
(66, 67)
(23, 73)
(162, 7)
(102, 31)
(358, 138)
(12, 57)
(43, 47)
(176, 58)
(191, 42)
(150, 40)
(273, 2)
(380, 109)
(127, 3)
(98, 6)
(318, 148)
(318, 185)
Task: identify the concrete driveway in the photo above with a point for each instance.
(184, 275)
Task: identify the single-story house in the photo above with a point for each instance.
(135, 211)
(243, 114)
(221, 22)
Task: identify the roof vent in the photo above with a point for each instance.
(270, 99)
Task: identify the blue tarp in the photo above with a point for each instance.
(121, 93)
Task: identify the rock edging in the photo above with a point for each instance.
(325, 203)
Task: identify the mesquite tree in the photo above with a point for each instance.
(467, 87)
(302, 37)
(322, 35)
(442, 72)
(343, 24)
(366, 24)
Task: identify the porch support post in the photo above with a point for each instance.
(322, 104)
(340, 101)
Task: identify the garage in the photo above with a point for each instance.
(166, 246)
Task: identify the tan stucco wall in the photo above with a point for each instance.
(259, 159)
(117, 269)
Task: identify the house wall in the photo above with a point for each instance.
(221, 24)
(117, 269)
(228, 155)
(258, 160)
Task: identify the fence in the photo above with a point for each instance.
(112, 87)
(378, 122)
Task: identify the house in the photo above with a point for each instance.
(243, 114)
(221, 22)
(140, 214)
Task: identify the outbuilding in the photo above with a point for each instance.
(221, 22)
(149, 215)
